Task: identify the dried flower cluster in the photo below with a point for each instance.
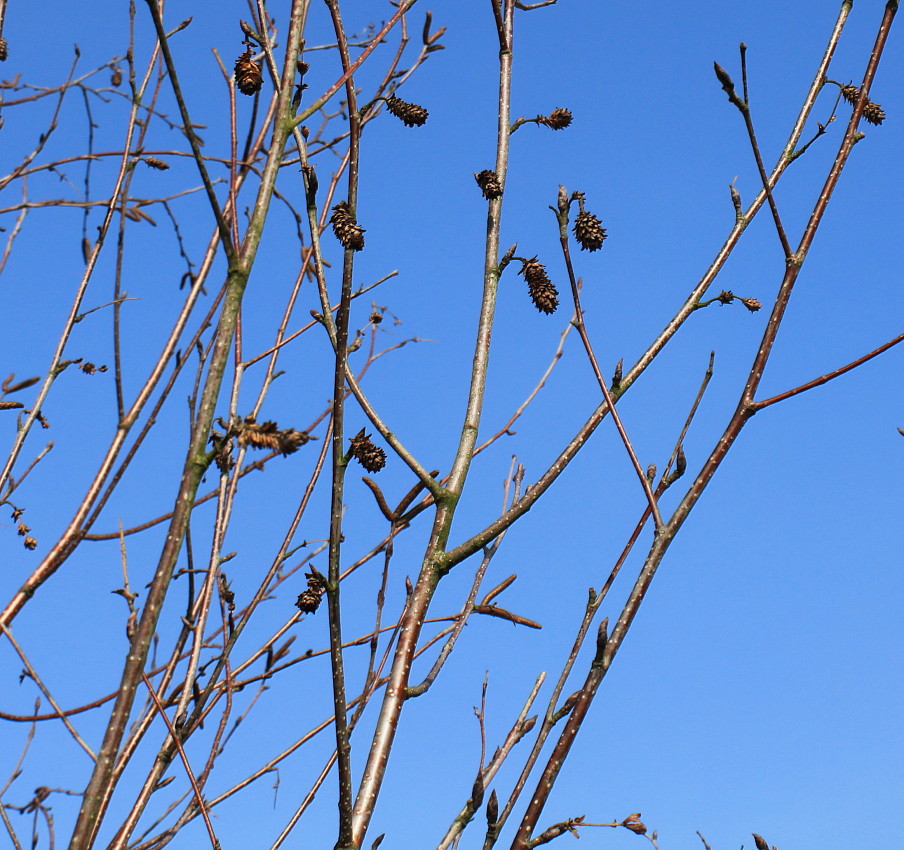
(371, 457)
(309, 600)
(226, 593)
(23, 530)
(634, 823)
(248, 77)
(410, 113)
(726, 296)
(4, 50)
(349, 233)
(302, 68)
(558, 119)
(872, 112)
(489, 183)
(542, 291)
(268, 435)
(157, 164)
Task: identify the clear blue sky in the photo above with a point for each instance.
(761, 686)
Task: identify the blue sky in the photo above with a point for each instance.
(760, 688)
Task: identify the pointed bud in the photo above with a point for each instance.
(492, 809)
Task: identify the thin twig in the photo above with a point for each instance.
(199, 797)
(33, 675)
(829, 376)
(562, 216)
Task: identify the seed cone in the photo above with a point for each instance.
(489, 183)
(873, 113)
(410, 113)
(309, 600)
(248, 78)
(542, 291)
(4, 50)
(349, 233)
(371, 457)
(850, 93)
(589, 230)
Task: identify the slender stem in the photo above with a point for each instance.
(10, 611)
(199, 797)
(197, 460)
(412, 462)
(743, 106)
(481, 538)
(339, 459)
(747, 406)
(432, 569)
(188, 128)
(673, 325)
(578, 321)
(829, 376)
(563, 745)
(522, 725)
(33, 675)
(491, 272)
(93, 501)
(745, 409)
(318, 104)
